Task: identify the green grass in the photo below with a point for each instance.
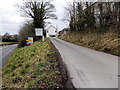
(32, 66)
(100, 41)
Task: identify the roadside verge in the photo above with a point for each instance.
(107, 42)
(35, 66)
(67, 82)
(7, 43)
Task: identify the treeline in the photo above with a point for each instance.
(97, 15)
(9, 38)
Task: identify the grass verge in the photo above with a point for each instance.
(33, 66)
(6, 43)
(101, 41)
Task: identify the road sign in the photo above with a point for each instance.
(39, 31)
(29, 40)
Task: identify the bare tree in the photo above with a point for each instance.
(38, 10)
(93, 15)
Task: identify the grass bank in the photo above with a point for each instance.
(7, 43)
(33, 66)
(101, 41)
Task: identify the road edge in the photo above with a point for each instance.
(67, 82)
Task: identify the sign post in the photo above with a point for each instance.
(29, 40)
(43, 38)
(39, 32)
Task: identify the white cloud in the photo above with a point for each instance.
(10, 18)
(60, 12)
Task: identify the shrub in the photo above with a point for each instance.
(26, 31)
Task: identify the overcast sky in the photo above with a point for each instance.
(11, 19)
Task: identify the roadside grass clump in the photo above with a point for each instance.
(27, 65)
(16, 79)
(31, 84)
(101, 41)
(7, 43)
(34, 66)
(23, 71)
(7, 70)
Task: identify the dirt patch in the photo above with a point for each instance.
(66, 80)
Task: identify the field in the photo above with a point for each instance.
(101, 41)
(33, 66)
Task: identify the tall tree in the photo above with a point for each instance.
(91, 15)
(71, 15)
(100, 5)
(80, 16)
(38, 10)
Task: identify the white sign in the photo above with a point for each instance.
(39, 31)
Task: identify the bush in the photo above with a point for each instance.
(26, 31)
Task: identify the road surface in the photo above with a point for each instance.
(5, 53)
(88, 68)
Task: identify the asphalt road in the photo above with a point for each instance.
(88, 68)
(5, 53)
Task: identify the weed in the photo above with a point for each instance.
(6, 70)
(49, 54)
(13, 66)
(57, 72)
(31, 84)
(16, 79)
(23, 71)
(27, 65)
(42, 64)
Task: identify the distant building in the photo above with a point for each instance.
(51, 32)
(63, 32)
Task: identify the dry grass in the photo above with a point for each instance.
(107, 42)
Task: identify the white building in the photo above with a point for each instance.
(51, 32)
